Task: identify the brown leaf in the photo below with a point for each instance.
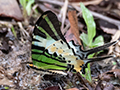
(10, 8)
(112, 73)
(98, 86)
(116, 73)
(53, 88)
(76, 0)
(106, 78)
(72, 89)
(108, 30)
(115, 48)
(110, 87)
(70, 36)
(74, 25)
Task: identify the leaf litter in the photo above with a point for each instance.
(15, 74)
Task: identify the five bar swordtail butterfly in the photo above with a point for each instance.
(51, 53)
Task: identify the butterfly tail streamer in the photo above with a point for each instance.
(93, 50)
(86, 61)
(100, 58)
(83, 54)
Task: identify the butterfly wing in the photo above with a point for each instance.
(50, 51)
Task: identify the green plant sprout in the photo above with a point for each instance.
(6, 88)
(88, 38)
(27, 4)
(13, 31)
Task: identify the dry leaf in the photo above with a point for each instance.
(109, 87)
(53, 88)
(116, 73)
(70, 36)
(72, 89)
(107, 76)
(74, 25)
(76, 0)
(115, 48)
(10, 8)
(108, 30)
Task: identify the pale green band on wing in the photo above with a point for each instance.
(49, 67)
(46, 42)
(41, 52)
(39, 38)
(52, 27)
(41, 29)
(37, 51)
(49, 55)
(36, 43)
(44, 58)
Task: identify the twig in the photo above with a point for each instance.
(56, 2)
(23, 31)
(63, 13)
(110, 20)
(7, 23)
(94, 2)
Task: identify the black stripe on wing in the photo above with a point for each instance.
(44, 24)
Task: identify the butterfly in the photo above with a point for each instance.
(52, 54)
